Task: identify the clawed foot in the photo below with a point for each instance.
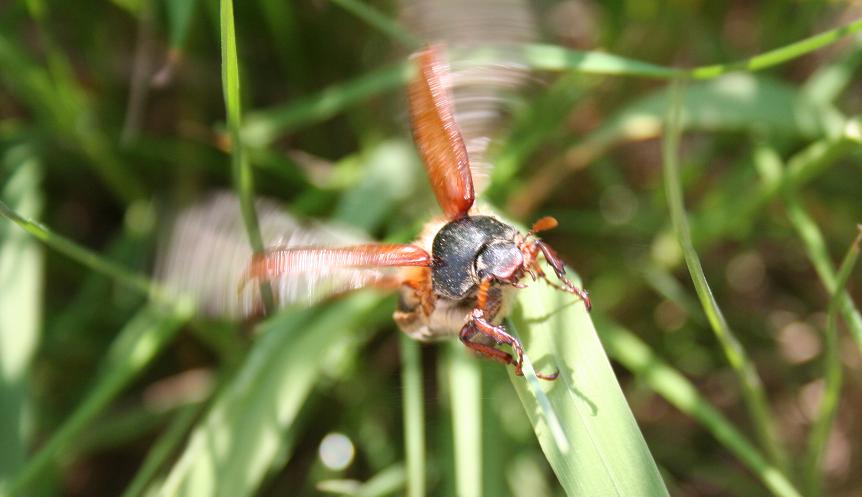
(478, 324)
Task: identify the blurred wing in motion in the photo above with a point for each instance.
(437, 135)
(481, 95)
(207, 257)
(298, 270)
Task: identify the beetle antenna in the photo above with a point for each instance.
(560, 269)
(543, 224)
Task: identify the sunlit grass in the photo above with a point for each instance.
(337, 366)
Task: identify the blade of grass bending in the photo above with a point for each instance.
(636, 356)
(133, 349)
(380, 21)
(774, 177)
(746, 373)
(414, 415)
(243, 175)
(832, 376)
(251, 425)
(465, 390)
(21, 282)
(82, 255)
(602, 451)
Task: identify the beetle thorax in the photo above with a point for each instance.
(469, 249)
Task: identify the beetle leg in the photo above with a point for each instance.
(478, 324)
(468, 331)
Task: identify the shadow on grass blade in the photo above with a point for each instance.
(606, 453)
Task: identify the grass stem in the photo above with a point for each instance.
(752, 388)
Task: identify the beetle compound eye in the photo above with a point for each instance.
(500, 259)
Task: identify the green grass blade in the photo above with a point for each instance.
(21, 282)
(779, 55)
(241, 170)
(251, 424)
(80, 254)
(380, 21)
(133, 349)
(636, 356)
(604, 453)
(743, 367)
(465, 391)
(833, 375)
(414, 415)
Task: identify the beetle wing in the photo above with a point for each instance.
(206, 255)
(302, 274)
(484, 95)
(437, 135)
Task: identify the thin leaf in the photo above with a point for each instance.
(833, 375)
(779, 55)
(241, 171)
(746, 373)
(82, 255)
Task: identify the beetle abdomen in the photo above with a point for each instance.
(455, 249)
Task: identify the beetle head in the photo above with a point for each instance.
(501, 259)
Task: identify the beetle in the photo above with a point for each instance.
(459, 276)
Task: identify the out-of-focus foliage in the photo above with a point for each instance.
(113, 115)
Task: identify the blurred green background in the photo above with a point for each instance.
(112, 114)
